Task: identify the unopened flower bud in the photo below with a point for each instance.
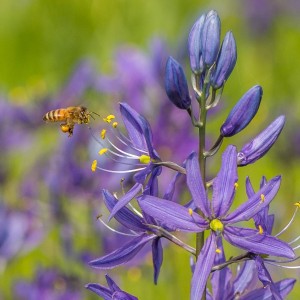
(225, 62)
(261, 144)
(243, 112)
(176, 84)
(210, 38)
(195, 45)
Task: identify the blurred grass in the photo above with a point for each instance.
(42, 41)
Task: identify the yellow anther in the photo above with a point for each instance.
(260, 229)
(218, 251)
(103, 133)
(102, 151)
(297, 204)
(236, 185)
(145, 159)
(190, 211)
(262, 197)
(114, 124)
(216, 225)
(94, 165)
(109, 118)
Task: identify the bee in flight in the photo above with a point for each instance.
(69, 116)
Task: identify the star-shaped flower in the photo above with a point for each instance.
(214, 216)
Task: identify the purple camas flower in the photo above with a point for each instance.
(216, 217)
(243, 112)
(139, 151)
(176, 84)
(261, 144)
(112, 292)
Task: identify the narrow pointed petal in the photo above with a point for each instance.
(256, 203)
(157, 257)
(284, 287)
(112, 285)
(265, 277)
(250, 240)
(261, 144)
(243, 112)
(133, 124)
(124, 200)
(220, 279)
(171, 214)
(123, 254)
(196, 185)
(224, 183)
(99, 290)
(124, 216)
(203, 267)
(171, 187)
(245, 277)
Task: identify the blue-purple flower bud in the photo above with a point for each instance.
(176, 84)
(225, 62)
(210, 38)
(261, 144)
(243, 112)
(195, 45)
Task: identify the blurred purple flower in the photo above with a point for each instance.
(48, 284)
(19, 232)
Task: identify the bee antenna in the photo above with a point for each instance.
(96, 114)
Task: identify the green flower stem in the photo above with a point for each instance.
(201, 97)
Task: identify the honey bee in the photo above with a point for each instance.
(69, 116)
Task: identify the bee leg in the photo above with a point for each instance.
(70, 131)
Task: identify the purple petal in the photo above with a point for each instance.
(124, 216)
(195, 184)
(255, 204)
(284, 287)
(172, 215)
(100, 290)
(121, 295)
(223, 185)
(123, 254)
(171, 187)
(111, 284)
(220, 280)
(265, 277)
(157, 256)
(133, 124)
(124, 200)
(250, 240)
(203, 267)
(244, 277)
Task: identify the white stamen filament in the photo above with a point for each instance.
(294, 240)
(135, 210)
(114, 230)
(285, 267)
(289, 223)
(121, 172)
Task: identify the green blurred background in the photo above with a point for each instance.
(42, 42)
